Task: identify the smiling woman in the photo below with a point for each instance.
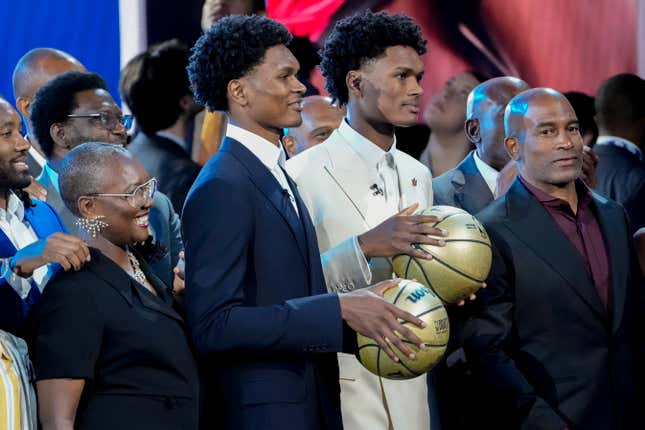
(87, 332)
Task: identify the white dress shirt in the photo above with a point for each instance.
(380, 165)
(270, 154)
(383, 174)
(488, 173)
(21, 234)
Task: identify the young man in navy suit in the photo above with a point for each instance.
(255, 293)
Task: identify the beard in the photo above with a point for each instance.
(10, 179)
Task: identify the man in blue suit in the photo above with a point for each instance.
(256, 299)
(33, 242)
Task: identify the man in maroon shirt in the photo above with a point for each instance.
(556, 337)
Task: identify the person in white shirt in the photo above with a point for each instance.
(361, 192)
(256, 302)
(32, 236)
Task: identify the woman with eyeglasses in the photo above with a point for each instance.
(111, 350)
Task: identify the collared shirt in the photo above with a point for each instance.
(380, 164)
(21, 234)
(488, 173)
(621, 143)
(382, 173)
(271, 155)
(17, 395)
(52, 174)
(582, 230)
(179, 141)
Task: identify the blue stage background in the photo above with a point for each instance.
(89, 30)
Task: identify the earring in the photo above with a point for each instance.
(92, 226)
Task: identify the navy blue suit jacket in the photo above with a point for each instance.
(256, 300)
(13, 310)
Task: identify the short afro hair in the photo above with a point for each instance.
(82, 171)
(153, 83)
(360, 38)
(230, 49)
(57, 99)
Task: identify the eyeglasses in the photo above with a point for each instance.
(137, 198)
(108, 120)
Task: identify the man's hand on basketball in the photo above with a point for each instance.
(397, 234)
(367, 313)
(472, 296)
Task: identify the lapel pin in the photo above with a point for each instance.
(414, 182)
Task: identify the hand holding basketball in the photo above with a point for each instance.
(396, 234)
(367, 313)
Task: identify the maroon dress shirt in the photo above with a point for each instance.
(582, 230)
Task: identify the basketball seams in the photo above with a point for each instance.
(446, 217)
(398, 295)
(425, 276)
(467, 240)
(443, 263)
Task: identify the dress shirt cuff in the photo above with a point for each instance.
(362, 261)
(22, 286)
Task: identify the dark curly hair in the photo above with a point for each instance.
(360, 38)
(55, 100)
(230, 49)
(153, 83)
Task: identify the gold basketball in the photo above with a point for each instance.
(418, 300)
(458, 269)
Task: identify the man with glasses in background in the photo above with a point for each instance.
(76, 108)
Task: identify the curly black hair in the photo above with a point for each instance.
(55, 100)
(153, 83)
(360, 38)
(230, 49)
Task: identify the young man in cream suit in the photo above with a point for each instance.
(361, 193)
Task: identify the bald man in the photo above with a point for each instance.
(555, 335)
(33, 70)
(471, 185)
(319, 119)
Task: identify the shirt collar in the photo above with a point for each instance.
(179, 141)
(584, 195)
(53, 175)
(366, 149)
(14, 208)
(488, 173)
(620, 142)
(270, 154)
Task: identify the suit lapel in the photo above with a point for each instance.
(264, 180)
(532, 224)
(110, 272)
(347, 170)
(7, 249)
(471, 191)
(412, 188)
(618, 260)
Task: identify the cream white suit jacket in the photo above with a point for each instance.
(336, 187)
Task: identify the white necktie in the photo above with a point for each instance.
(390, 179)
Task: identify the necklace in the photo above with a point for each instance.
(138, 274)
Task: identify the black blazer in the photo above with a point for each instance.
(131, 348)
(621, 176)
(550, 352)
(169, 163)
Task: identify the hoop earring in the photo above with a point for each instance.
(93, 226)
